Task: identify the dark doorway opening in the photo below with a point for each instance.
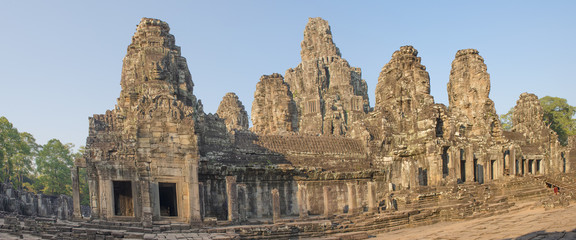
(523, 166)
(462, 166)
(492, 168)
(168, 201)
(563, 162)
(538, 162)
(530, 169)
(439, 127)
(422, 177)
(475, 165)
(445, 160)
(478, 172)
(123, 202)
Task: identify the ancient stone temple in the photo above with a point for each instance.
(316, 148)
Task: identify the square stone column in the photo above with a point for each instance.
(327, 207)
(302, 200)
(371, 196)
(470, 167)
(76, 192)
(232, 198)
(352, 199)
(275, 205)
(195, 215)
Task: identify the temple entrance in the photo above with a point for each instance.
(538, 162)
(123, 203)
(530, 168)
(168, 200)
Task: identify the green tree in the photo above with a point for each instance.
(53, 166)
(17, 150)
(558, 114)
(506, 120)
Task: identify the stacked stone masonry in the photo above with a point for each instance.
(316, 149)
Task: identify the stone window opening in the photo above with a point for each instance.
(439, 127)
(462, 131)
(123, 201)
(168, 200)
(530, 168)
(538, 162)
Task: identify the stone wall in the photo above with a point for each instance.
(25, 203)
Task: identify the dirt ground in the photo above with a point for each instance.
(537, 223)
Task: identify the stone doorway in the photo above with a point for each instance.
(462, 166)
(168, 200)
(492, 169)
(123, 201)
(445, 161)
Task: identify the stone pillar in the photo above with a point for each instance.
(275, 205)
(352, 201)
(147, 208)
(94, 189)
(470, 164)
(232, 197)
(242, 202)
(258, 199)
(193, 190)
(76, 192)
(327, 206)
(302, 200)
(371, 198)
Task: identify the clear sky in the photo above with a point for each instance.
(60, 61)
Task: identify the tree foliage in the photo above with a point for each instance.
(506, 120)
(16, 153)
(38, 168)
(558, 114)
(53, 165)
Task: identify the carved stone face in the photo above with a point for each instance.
(157, 67)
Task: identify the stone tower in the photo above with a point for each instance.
(273, 110)
(233, 112)
(329, 94)
(143, 154)
(468, 96)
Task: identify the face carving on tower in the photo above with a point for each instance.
(158, 67)
(154, 67)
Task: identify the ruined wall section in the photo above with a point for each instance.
(329, 94)
(273, 109)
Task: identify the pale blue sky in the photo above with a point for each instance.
(60, 61)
